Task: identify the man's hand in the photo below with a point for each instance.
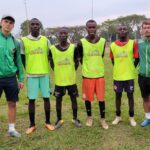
(20, 85)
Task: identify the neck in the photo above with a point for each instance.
(5, 33)
(63, 44)
(35, 34)
(91, 37)
(123, 39)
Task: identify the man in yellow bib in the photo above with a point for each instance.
(64, 61)
(35, 48)
(124, 56)
(91, 50)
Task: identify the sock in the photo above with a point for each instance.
(147, 115)
(11, 127)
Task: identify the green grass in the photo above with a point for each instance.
(121, 137)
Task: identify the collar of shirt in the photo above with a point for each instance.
(119, 43)
(33, 38)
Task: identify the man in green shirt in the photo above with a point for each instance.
(144, 69)
(10, 65)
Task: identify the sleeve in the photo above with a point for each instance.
(19, 65)
(22, 49)
(135, 50)
(111, 54)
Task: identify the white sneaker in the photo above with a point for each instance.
(104, 124)
(117, 120)
(132, 121)
(89, 121)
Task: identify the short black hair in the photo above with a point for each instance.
(91, 20)
(36, 20)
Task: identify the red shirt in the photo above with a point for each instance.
(135, 48)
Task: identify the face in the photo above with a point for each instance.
(122, 31)
(63, 35)
(7, 25)
(146, 30)
(91, 28)
(35, 26)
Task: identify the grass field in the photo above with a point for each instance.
(120, 137)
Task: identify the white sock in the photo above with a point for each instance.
(11, 127)
(147, 115)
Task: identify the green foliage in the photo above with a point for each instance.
(24, 28)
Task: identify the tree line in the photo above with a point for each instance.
(105, 29)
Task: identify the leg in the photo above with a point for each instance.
(59, 107)
(102, 109)
(76, 121)
(47, 110)
(89, 121)
(131, 109)
(11, 113)
(118, 111)
(118, 104)
(131, 104)
(11, 92)
(12, 119)
(31, 109)
(59, 121)
(47, 114)
(88, 108)
(144, 84)
(74, 106)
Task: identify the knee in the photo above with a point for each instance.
(12, 104)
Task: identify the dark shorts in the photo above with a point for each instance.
(10, 87)
(127, 86)
(61, 90)
(144, 84)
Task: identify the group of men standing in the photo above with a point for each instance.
(34, 52)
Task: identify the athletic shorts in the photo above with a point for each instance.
(127, 86)
(34, 84)
(61, 90)
(144, 84)
(91, 87)
(10, 87)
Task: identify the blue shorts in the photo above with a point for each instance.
(10, 87)
(34, 84)
(127, 86)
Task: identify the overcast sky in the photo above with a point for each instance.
(54, 13)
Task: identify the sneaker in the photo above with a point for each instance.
(104, 124)
(14, 134)
(58, 124)
(132, 121)
(30, 130)
(145, 123)
(89, 121)
(117, 120)
(49, 127)
(77, 123)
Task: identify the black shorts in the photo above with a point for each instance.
(127, 86)
(10, 87)
(144, 84)
(61, 90)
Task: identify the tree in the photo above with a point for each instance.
(24, 28)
